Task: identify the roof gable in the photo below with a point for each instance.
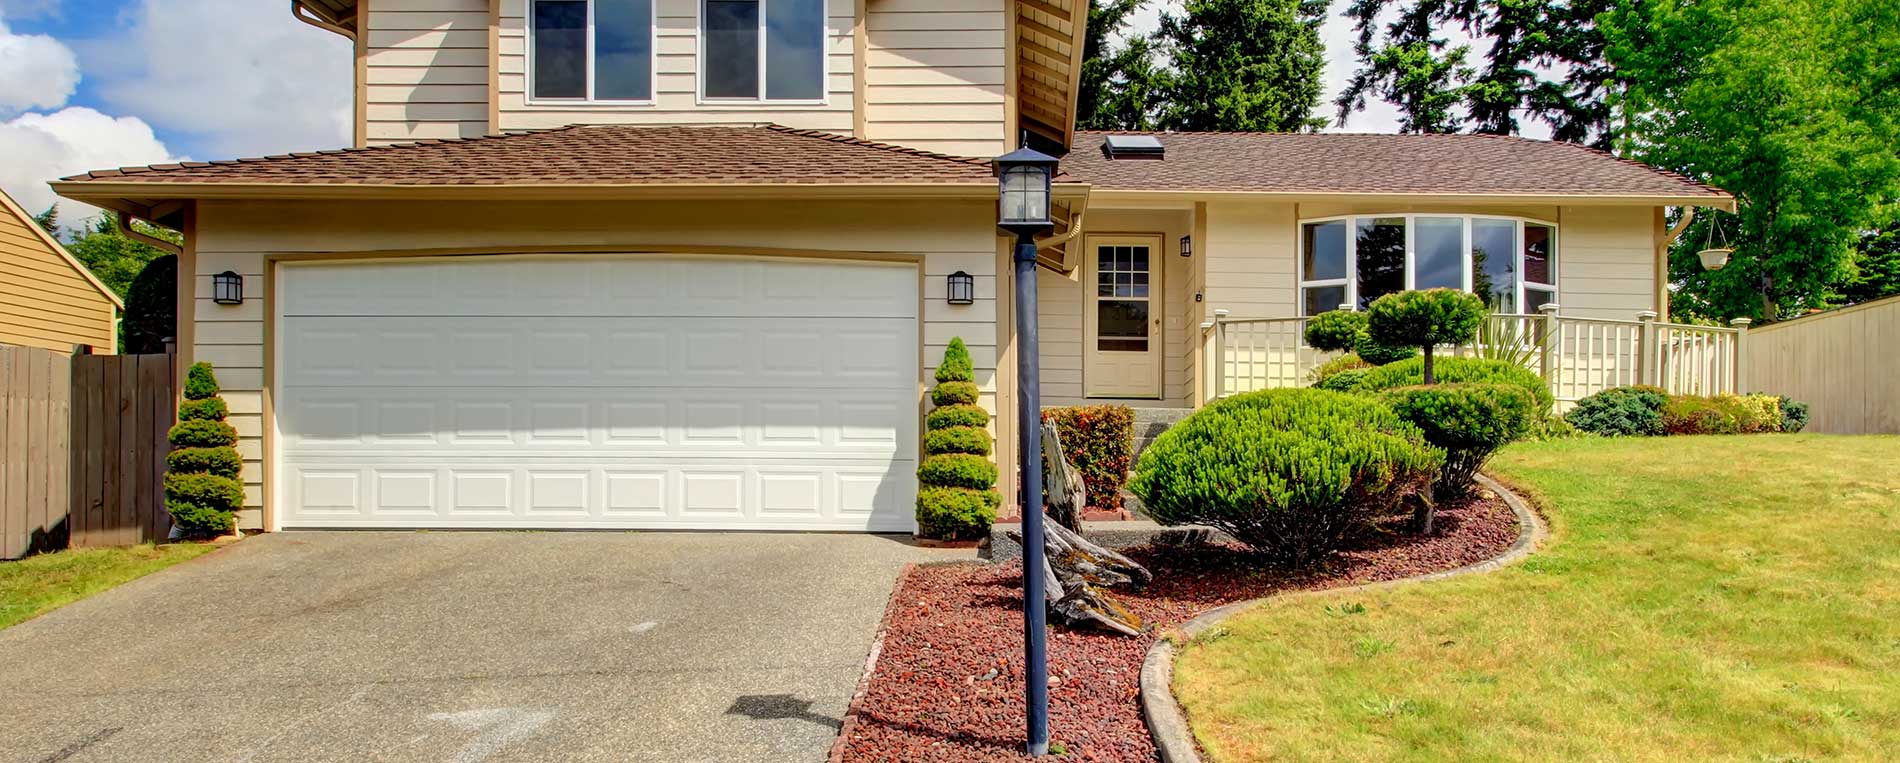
(12, 216)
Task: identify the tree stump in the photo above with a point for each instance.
(1078, 571)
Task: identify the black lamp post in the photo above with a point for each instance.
(1022, 210)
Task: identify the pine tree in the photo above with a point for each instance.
(1245, 65)
(1118, 88)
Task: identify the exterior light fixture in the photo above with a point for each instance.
(1187, 246)
(962, 289)
(1022, 210)
(227, 288)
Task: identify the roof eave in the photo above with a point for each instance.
(1722, 201)
(95, 191)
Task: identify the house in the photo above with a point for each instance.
(48, 299)
(684, 263)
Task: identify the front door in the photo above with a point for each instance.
(1123, 322)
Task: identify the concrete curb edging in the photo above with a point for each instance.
(1167, 723)
(852, 711)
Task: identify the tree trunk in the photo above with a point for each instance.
(1429, 377)
(1076, 570)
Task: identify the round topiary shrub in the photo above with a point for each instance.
(954, 393)
(963, 415)
(1291, 473)
(956, 497)
(1469, 422)
(955, 513)
(1620, 412)
(957, 470)
(972, 440)
(202, 491)
(1411, 373)
(1336, 331)
(1425, 319)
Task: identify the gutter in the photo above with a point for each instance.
(91, 190)
(1129, 196)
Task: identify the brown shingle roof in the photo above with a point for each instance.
(589, 155)
(1324, 163)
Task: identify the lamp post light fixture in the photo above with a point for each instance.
(1024, 177)
(1187, 246)
(227, 288)
(962, 289)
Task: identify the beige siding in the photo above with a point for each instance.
(44, 300)
(1840, 362)
(935, 73)
(676, 101)
(1250, 252)
(1061, 301)
(1606, 261)
(944, 236)
(426, 70)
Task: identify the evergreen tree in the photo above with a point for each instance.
(1247, 65)
(111, 256)
(49, 220)
(1118, 83)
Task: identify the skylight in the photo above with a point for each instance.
(1133, 147)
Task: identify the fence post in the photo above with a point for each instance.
(1220, 354)
(1741, 340)
(1547, 363)
(1646, 370)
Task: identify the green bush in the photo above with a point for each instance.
(151, 307)
(223, 462)
(1343, 381)
(1620, 412)
(1794, 414)
(957, 470)
(1384, 354)
(1291, 473)
(1685, 414)
(964, 415)
(208, 409)
(1099, 441)
(956, 364)
(207, 490)
(1424, 319)
(1411, 373)
(1347, 362)
(198, 521)
(970, 440)
(198, 433)
(200, 383)
(1335, 331)
(1469, 422)
(955, 513)
(1753, 413)
(954, 393)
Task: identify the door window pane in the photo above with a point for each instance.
(795, 49)
(1325, 251)
(1381, 242)
(623, 50)
(1121, 325)
(1439, 254)
(560, 49)
(1322, 299)
(1540, 258)
(1493, 263)
(732, 49)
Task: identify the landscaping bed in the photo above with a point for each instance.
(948, 684)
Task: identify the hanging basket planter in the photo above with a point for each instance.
(1714, 259)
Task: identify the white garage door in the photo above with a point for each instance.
(604, 391)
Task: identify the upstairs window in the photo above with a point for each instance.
(591, 50)
(1352, 261)
(762, 50)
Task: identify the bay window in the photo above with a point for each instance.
(762, 50)
(1351, 261)
(590, 50)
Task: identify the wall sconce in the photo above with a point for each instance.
(962, 289)
(1187, 246)
(227, 288)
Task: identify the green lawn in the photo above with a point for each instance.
(39, 584)
(1701, 599)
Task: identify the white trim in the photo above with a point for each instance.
(1469, 275)
(653, 63)
(824, 63)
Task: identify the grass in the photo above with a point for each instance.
(1702, 599)
(39, 584)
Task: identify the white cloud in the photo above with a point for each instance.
(36, 71)
(43, 147)
(233, 77)
(28, 9)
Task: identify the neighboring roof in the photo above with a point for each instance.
(10, 207)
(600, 155)
(1343, 163)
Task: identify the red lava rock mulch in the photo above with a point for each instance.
(948, 685)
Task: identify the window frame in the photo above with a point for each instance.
(1351, 281)
(653, 63)
(824, 62)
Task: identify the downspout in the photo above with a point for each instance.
(314, 17)
(125, 228)
(1662, 261)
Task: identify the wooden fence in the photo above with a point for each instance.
(82, 449)
(1843, 363)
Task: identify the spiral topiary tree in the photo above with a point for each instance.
(956, 494)
(1424, 319)
(202, 490)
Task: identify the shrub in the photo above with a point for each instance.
(1685, 414)
(208, 409)
(954, 393)
(954, 513)
(151, 307)
(1347, 362)
(1794, 414)
(1290, 472)
(199, 433)
(1411, 373)
(962, 415)
(200, 382)
(223, 462)
(1344, 381)
(1470, 422)
(956, 497)
(198, 521)
(1753, 413)
(1620, 412)
(1382, 354)
(207, 490)
(957, 470)
(1099, 441)
(1424, 319)
(1335, 331)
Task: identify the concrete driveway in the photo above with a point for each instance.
(459, 647)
